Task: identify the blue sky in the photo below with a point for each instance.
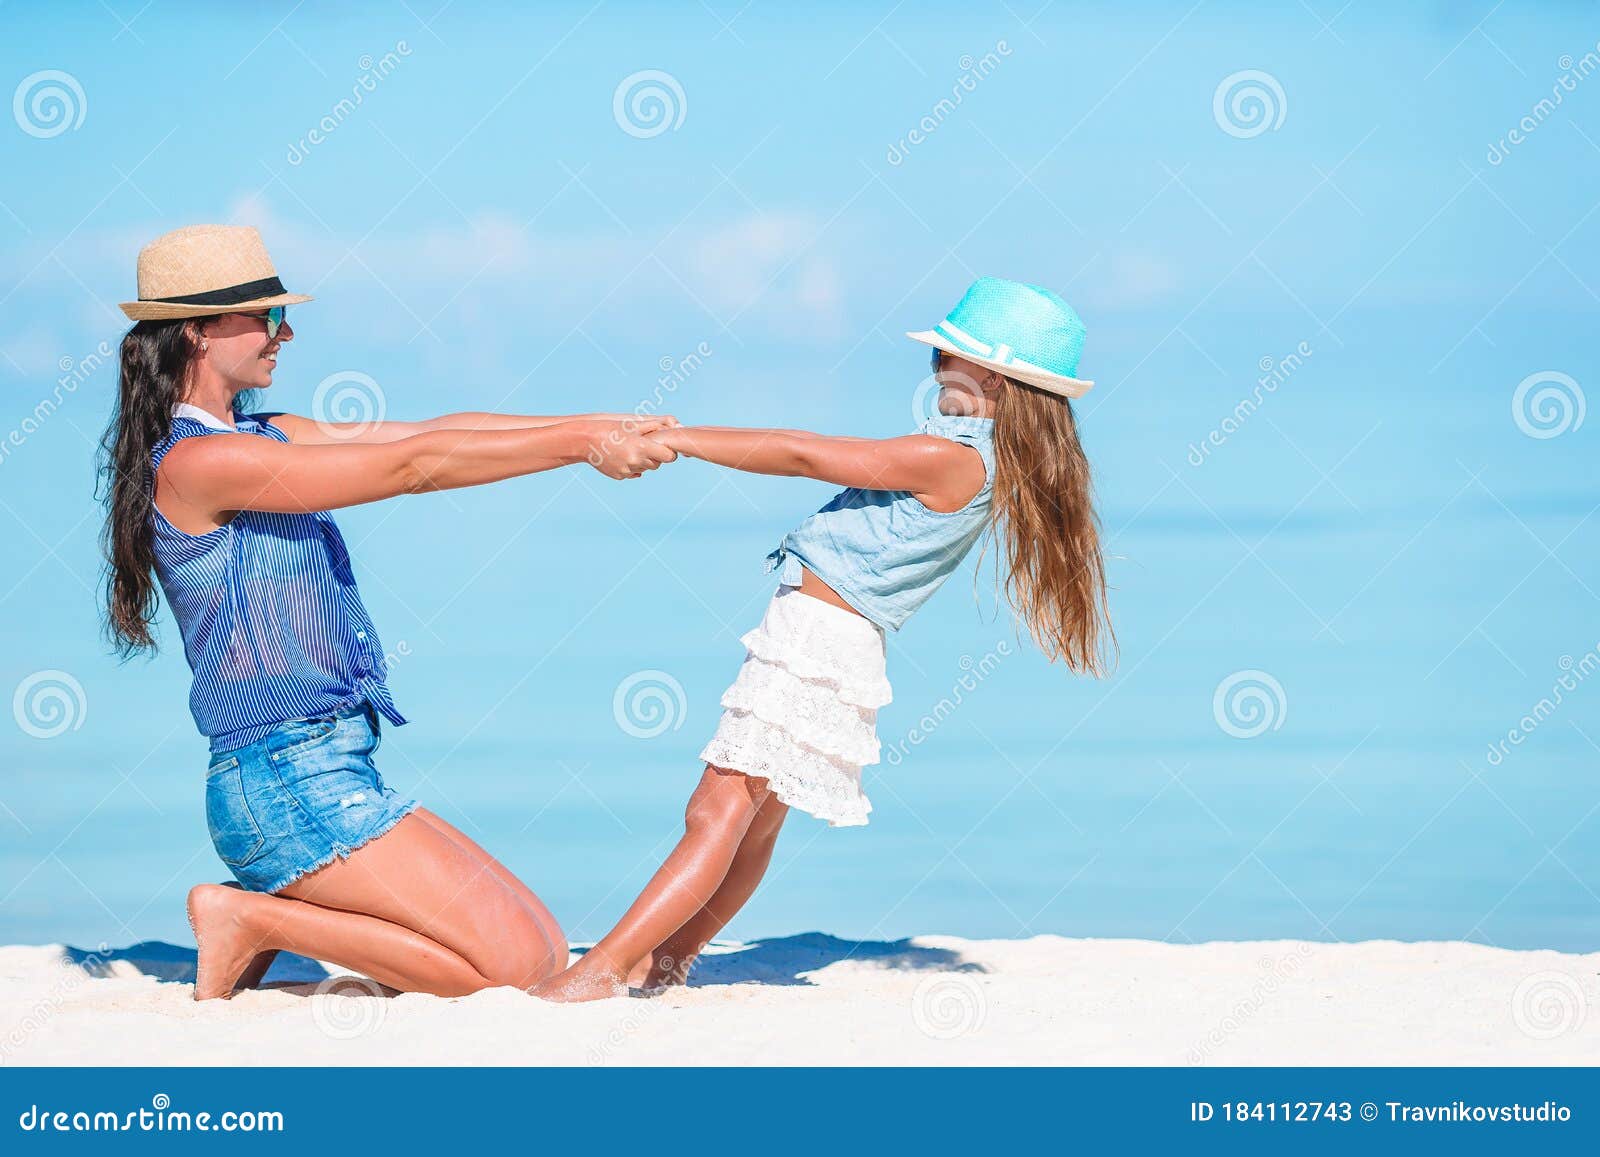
(483, 232)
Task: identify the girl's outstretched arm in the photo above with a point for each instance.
(938, 471)
(777, 430)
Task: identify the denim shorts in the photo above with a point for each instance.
(300, 796)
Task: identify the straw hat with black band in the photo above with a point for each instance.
(203, 270)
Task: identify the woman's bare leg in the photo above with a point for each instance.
(229, 926)
(718, 815)
(670, 963)
(546, 919)
(413, 909)
(257, 969)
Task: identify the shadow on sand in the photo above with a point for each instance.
(781, 961)
(171, 962)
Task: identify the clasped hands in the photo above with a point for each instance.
(626, 445)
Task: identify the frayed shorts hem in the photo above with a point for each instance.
(339, 852)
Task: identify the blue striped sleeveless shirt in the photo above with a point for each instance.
(273, 626)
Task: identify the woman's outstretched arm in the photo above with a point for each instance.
(938, 471)
(214, 476)
(304, 431)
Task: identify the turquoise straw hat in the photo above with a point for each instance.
(1021, 330)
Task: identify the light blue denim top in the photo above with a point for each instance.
(882, 550)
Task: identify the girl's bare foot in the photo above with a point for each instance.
(659, 970)
(228, 949)
(578, 984)
(641, 970)
(664, 971)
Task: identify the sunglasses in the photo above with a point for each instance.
(274, 318)
(937, 354)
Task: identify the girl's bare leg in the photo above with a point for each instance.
(413, 909)
(718, 815)
(670, 963)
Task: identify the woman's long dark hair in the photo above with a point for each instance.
(156, 358)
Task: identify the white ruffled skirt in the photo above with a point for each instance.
(803, 712)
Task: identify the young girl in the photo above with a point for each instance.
(799, 722)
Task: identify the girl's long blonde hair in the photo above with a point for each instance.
(1047, 530)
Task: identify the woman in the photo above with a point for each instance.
(229, 511)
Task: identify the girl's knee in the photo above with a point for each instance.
(768, 823)
(721, 804)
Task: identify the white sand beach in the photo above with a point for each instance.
(815, 999)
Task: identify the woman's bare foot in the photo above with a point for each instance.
(256, 970)
(228, 948)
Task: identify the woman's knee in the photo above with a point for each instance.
(530, 900)
(517, 953)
